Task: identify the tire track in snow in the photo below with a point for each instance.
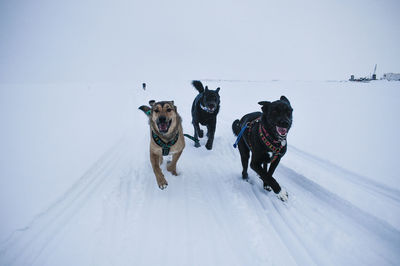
(371, 223)
(299, 222)
(170, 218)
(295, 227)
(252, 199)
(244, 224)
(291, 240)
(311, 202)
(367, 183)
(217, 196)
(25, 245)
(121, 215)
(171, 226)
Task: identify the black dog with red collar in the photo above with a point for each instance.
(265, 136)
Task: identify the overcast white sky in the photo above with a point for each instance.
(123, 40)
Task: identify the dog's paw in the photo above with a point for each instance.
(201, 133)
(209, 146)
(283, 195)
(172, 170)
(197, 144)
(267, 188)
(245, 176)
(162, 183)
(163, 186)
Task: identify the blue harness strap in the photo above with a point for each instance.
(240, 135)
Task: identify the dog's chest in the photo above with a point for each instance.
(165, 149)
(204, 117)
(174, 149)
(267, 148)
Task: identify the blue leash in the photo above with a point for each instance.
(240, 135)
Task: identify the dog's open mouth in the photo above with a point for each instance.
(210, 108)
(282, 131)
(164, 126)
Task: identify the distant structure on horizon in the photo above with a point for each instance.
(365, 79)
(391, 76)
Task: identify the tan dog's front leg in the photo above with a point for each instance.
(171, 167)
(155, 163)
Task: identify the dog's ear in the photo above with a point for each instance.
(264, 103)
(284, 99)
(173, 105)
(217, 90)
(206, 89)
(145, 109)
(265, 106)
(152, 102)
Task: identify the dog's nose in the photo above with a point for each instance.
(285, 123)
(162, 119)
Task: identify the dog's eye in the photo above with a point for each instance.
(169, 110)
(157, 111)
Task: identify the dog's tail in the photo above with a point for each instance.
(198, 85)
(236, 127)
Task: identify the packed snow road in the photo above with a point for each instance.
(115, 214)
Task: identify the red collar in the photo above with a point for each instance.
(266, 139)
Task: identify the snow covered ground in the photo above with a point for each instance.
(77, 188)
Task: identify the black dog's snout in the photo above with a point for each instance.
(285, 123)
(162, 119)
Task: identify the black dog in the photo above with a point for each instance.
(204, 111)
(265, 136)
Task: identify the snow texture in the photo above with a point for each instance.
(77, 186)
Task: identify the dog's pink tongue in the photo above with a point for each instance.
(163, 126)
(281, 130)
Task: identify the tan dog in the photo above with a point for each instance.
(166, 137)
